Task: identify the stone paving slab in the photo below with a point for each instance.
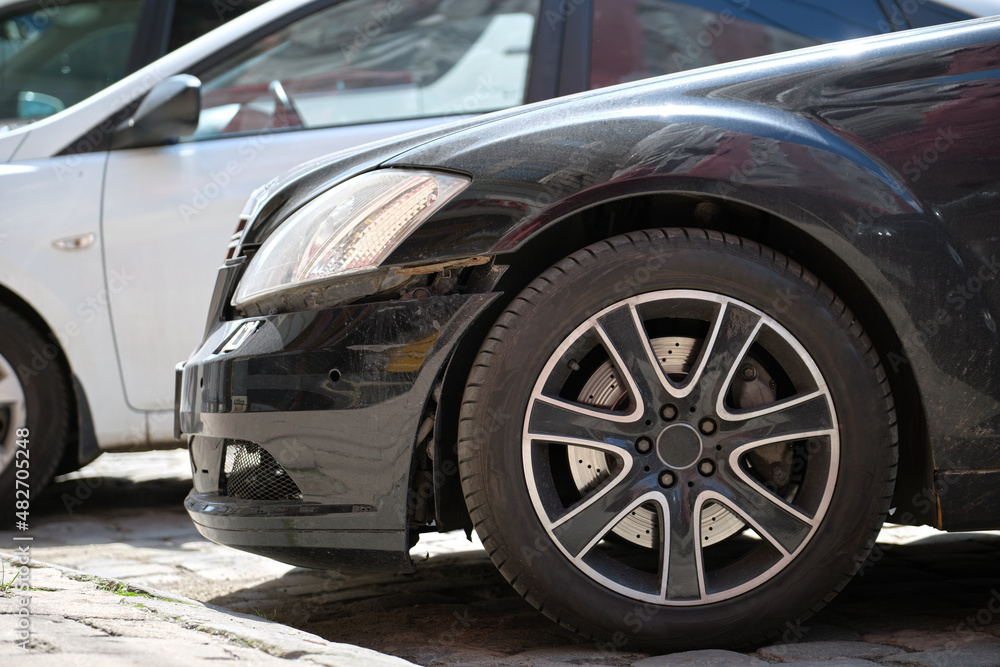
(836, 662)
(825, 650)
(704, 658)
(933, 640)
(78, 619)
(966, 656)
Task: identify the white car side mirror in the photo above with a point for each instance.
(169, 111)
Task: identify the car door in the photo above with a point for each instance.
(352, 72)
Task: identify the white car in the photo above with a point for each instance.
(112, 230)
(117, 210)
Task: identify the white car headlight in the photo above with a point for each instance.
(349, 229)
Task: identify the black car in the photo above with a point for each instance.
(295, 79)
(674, 348)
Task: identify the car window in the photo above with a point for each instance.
(53, 55)
(361, 61)
(634, 39)
(194, 18)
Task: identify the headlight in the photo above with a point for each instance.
(350, 229)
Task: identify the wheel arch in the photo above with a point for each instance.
(594, 223)
(14, 301)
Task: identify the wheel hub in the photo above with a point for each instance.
(589, 467)
(678, 446)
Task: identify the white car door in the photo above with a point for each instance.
(352, 73)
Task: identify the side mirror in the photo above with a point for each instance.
(169, 111)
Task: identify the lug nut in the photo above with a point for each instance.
(706, 467)
(669, 412)
(644, 445)
(748, 372)
(707, 426)
(667, 479)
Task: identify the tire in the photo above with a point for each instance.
(595, 454)
(34, 395)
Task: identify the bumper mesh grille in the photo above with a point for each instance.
(251, 473)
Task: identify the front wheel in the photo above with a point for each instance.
(691, 441)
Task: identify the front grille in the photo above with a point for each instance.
(251, 473)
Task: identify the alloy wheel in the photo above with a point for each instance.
(718, 439)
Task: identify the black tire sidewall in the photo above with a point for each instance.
(38, 363)
(573, 291)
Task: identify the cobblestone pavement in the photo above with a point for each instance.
(74, 618)
(926, 598)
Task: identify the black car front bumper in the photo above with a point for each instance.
(302, 427)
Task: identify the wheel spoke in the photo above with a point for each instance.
(682, 575)
(583, 526)
(556, 420)
(10, 390)
(632, 353)
(769, 515)
(732, 332)
(791, 419)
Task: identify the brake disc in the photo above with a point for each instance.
(590, 467)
